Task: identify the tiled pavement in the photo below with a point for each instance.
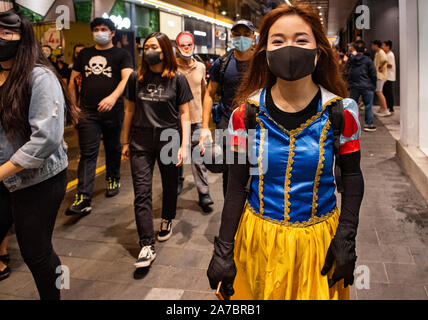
(100, 249)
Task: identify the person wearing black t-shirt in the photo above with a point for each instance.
(105, 70)
(157, 98)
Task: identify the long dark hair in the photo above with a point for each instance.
(170, 64)
(16, 93)
(259, 76)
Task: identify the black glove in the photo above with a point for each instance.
(222, 267)
(342, 250)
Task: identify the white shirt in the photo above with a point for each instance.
(391, 71)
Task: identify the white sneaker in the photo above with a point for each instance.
(165, 230)
(383, 113)
(146, 257)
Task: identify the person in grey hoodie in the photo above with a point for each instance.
(33, 154)
(362, 79)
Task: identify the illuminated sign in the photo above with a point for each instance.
(119, 22)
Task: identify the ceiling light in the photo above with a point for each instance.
(320, 13)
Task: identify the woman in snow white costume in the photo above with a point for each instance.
(286, 239)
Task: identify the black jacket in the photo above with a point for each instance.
(362, 73)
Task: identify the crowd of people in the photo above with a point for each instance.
(282, 235)
(367, 77)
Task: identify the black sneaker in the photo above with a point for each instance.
(370, 128)
(165, 230)
(113, 187)
(146, 257)
(205, 200)
(5, 274)
(79, 206)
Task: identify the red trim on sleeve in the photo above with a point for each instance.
(351, 126)
(350, 146)
(238, 123)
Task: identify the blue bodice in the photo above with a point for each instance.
(292, 171)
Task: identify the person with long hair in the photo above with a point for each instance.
(33, 157)
(286, 239)
(157, 97)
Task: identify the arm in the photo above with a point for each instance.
(208, 103)
(372, 73)
(206, 113)
(127, 121)
(108, 103)
(72, 86)
(185, 127)
(46, 120)
(8, 169)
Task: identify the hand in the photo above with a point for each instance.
(206, 138)
(182, 156)
(222, 267)
(107, 104)
(341, 250)
(125, 152)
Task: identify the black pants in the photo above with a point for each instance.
(223, 125)
(145, 150)
(90, 129)
(33, 210)
(388, 92)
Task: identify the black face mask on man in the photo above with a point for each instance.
(291, 63)
(152, 57)
(8, 49)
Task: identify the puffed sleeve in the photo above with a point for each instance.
(350, 138)
(237, 130)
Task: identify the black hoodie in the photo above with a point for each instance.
(362, 73)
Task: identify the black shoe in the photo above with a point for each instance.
(370, 128)
(5, 259)
(113, 187)
(165, 230)
(146, 257)
(205, 200)
(5, 274)
(180, 185)
(79, 206)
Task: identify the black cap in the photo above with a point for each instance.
(244, 23)
(8, 15)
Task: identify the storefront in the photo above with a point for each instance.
(203, 33)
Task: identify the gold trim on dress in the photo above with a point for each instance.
(307, 123)
(304, 224)
(320, 167)
(287, 182)
(260, 163)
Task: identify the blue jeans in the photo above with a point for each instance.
(368, 96)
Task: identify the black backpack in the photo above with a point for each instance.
(337, 120)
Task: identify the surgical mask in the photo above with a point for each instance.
(242, 43)
(292, 63)
(102, 38)
(152, 57)
(8, 49)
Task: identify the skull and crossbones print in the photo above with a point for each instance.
(97, 66)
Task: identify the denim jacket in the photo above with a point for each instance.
(44, 155)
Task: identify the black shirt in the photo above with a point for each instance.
(101, 74)
(290, 120)
(158, 99)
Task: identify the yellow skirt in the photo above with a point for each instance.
(277, 262)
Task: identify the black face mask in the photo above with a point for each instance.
(8, 49)
(152, 57)
(292, 63)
